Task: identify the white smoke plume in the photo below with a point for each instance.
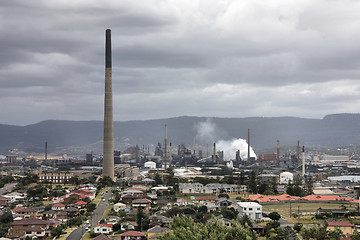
(230, 148)
(205, 131)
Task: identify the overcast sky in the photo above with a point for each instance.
(171, 58)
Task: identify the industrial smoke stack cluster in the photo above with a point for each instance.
(108, 147)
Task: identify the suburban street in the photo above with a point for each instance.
(94, 218)
(7, 188)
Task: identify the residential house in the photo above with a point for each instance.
(55, 177)
(159, 220)
(16, 196)
(223, 202)
(119, 207)
(128, 226)
(5, 201)
(51, 214)
(157, 231)
(26, 213)
(71, 211)
(132, 235)
(101, 237)
(111, 219)
(211, 188)
(129, 198)
(58, 207)
(252, 209)
(80, 204)
(62, 217)
(103, 228)
(346, 227)
(181, 202)
(191, 188)
(221, 219)
(162, 203)
(206, 200)
(31, 227)
(143, 203)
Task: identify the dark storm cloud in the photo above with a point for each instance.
(189, 57)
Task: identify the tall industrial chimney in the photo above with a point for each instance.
(298, 152)
(248, 159)
(303, 162)
(214, 157)
(278, 150)
(165, 148)
(108, 148)
(46, 152)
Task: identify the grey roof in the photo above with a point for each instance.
(158, 229)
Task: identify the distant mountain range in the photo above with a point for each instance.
(86, 136)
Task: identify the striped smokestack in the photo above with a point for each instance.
(108, 148)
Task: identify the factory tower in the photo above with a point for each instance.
(108, 147)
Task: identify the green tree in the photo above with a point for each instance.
(314, 232)
(202, 209)
(355, 235)
(274, 216)
(298, 227)
(245, 220)
(229, 213)
(56, 232)
(106, 181)
(242, 178)
(252, 182)
(142, 220)
(223, 195)
(184, 228)
(309, 185)
(91, 207)
(5, 220)
(158, 180)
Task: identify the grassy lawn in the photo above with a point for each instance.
(107, 211)
(284, 210)
(86, 236)
(64, 236)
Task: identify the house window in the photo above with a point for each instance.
(250, 209)
(38, 233)
(244, 208)
(27, 232)
(189, 190)
(258, 209)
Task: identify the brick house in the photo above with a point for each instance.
(32, 227)
(132, 235)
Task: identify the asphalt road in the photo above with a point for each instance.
(94, 218)
(7, 188)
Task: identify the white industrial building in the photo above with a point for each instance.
(211, 188)
(252, 209)
(286, 177)
(150, 164)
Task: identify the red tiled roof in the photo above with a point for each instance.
(206, 198)
(18, 209)
(104, 224)
(255, 197)
(58, 205)
(132, 234)
(325, 198)
(80, 203)
(341, 224)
